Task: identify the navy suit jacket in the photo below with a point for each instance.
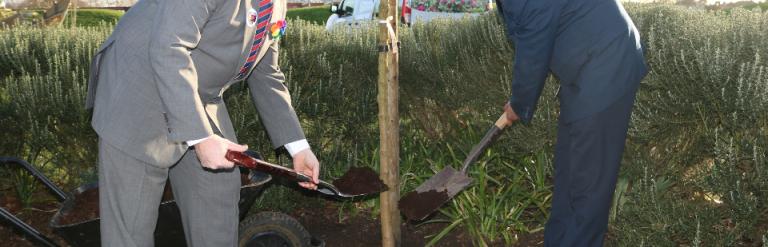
(592, 46)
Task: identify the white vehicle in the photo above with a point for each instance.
(363, 12)
(352, 13)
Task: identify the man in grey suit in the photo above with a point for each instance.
(156, 87)
(593, 47)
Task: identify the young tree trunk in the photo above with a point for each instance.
(74, 14)
(55, 15)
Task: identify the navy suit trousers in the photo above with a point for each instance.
(587, 158)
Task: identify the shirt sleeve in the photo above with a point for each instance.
(195, 142)
(297, 146)
(532, 26)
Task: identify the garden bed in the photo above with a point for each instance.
(341, 228)
(327, 222)
(38, 216)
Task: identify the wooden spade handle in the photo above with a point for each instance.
(502, 122)
(248, 161)
(490, 136)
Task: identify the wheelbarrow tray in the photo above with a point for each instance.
(169, 230)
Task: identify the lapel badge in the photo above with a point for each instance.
(251, 17)
(277, 29)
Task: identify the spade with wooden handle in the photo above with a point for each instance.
(250, 160)
(444, 185)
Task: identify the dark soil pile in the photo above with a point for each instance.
(359, 181)
(416, 206)
(531, 239)
(86, 207)
(244, 179)
(37, 216)
(339, 227)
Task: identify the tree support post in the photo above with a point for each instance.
(389, 122)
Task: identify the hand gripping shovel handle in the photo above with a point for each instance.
(246, 160)
(490, 136)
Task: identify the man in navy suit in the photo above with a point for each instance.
(593, 47)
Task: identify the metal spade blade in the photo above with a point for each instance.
(444, 185)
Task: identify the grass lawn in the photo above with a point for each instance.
(316, 15)
(94, 17)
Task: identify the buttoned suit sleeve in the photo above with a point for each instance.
(178, 29)
(532, 25)
(273, 101)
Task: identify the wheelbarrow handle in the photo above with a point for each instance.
(27, 229)
(248, 159)
(36, 236)
(58, 192)
(490, 136)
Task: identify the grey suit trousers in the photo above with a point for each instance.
(131, 190)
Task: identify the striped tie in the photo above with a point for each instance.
(264, 15)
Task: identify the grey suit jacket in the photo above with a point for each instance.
(158, 80)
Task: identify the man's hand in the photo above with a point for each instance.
(306, 163)
(511, 115)
(212, 151)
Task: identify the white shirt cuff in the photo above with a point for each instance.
(297, 146)
(193, 142)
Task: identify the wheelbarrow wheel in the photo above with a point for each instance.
(270, 229)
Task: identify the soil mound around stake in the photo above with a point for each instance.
(360, 180)
(416, 206)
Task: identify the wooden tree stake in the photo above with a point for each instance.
(389, 123)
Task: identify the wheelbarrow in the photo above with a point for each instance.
(261, 229)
